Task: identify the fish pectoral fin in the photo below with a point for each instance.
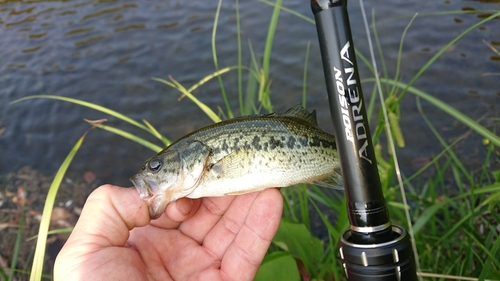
(333, 180)
(233, 165)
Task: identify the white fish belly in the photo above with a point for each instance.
(255, 181)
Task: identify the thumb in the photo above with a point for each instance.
(100, 234)
(108, 215)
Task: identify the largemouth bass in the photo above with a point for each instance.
(241, 155)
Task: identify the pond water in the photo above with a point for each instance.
(106, 52)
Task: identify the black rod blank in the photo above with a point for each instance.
(367, 209)
(372, 249)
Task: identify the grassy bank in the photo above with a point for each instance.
(453, 212)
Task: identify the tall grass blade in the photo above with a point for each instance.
(456, 12)
(208, 78)
(216, 63)
(303, 205)
(430, 212)
(328, 263)
(379, 48)
(447, 147)
(396, 129)
(89, 105)
(488, 270)
(240, 64)
(400, 51)
(488, 252)
(17, 244)
(54, 231)
(492, 137)
(254, 84)
(250, 92)
(432, 162)
(289, 210)
(332, 232)
(304, 79)
(491, 47)
(285, 9)
(130, 136)
(37, 268)
(438, 54)
(176, 85)
(456, 226)
(254, 63)
(156, 133)
(389, 129)
(3, 274)
(264, 94)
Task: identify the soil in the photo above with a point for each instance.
(29, 188)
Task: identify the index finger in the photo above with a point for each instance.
(177, 212)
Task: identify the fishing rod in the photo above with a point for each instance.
(372, 248)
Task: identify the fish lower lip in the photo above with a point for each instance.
(156, 205)
(141, 186)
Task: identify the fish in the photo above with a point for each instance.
(241, 155)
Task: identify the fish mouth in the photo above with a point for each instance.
(146, 189)
(142, 186)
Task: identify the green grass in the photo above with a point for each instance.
(455, 235)
(36, 271)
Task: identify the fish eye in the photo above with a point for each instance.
(155, 164)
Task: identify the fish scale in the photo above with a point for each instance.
(241, 155)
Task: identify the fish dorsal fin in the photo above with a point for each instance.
(301, 113)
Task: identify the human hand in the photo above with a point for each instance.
(218, 238)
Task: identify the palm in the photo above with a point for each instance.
(222, 238)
